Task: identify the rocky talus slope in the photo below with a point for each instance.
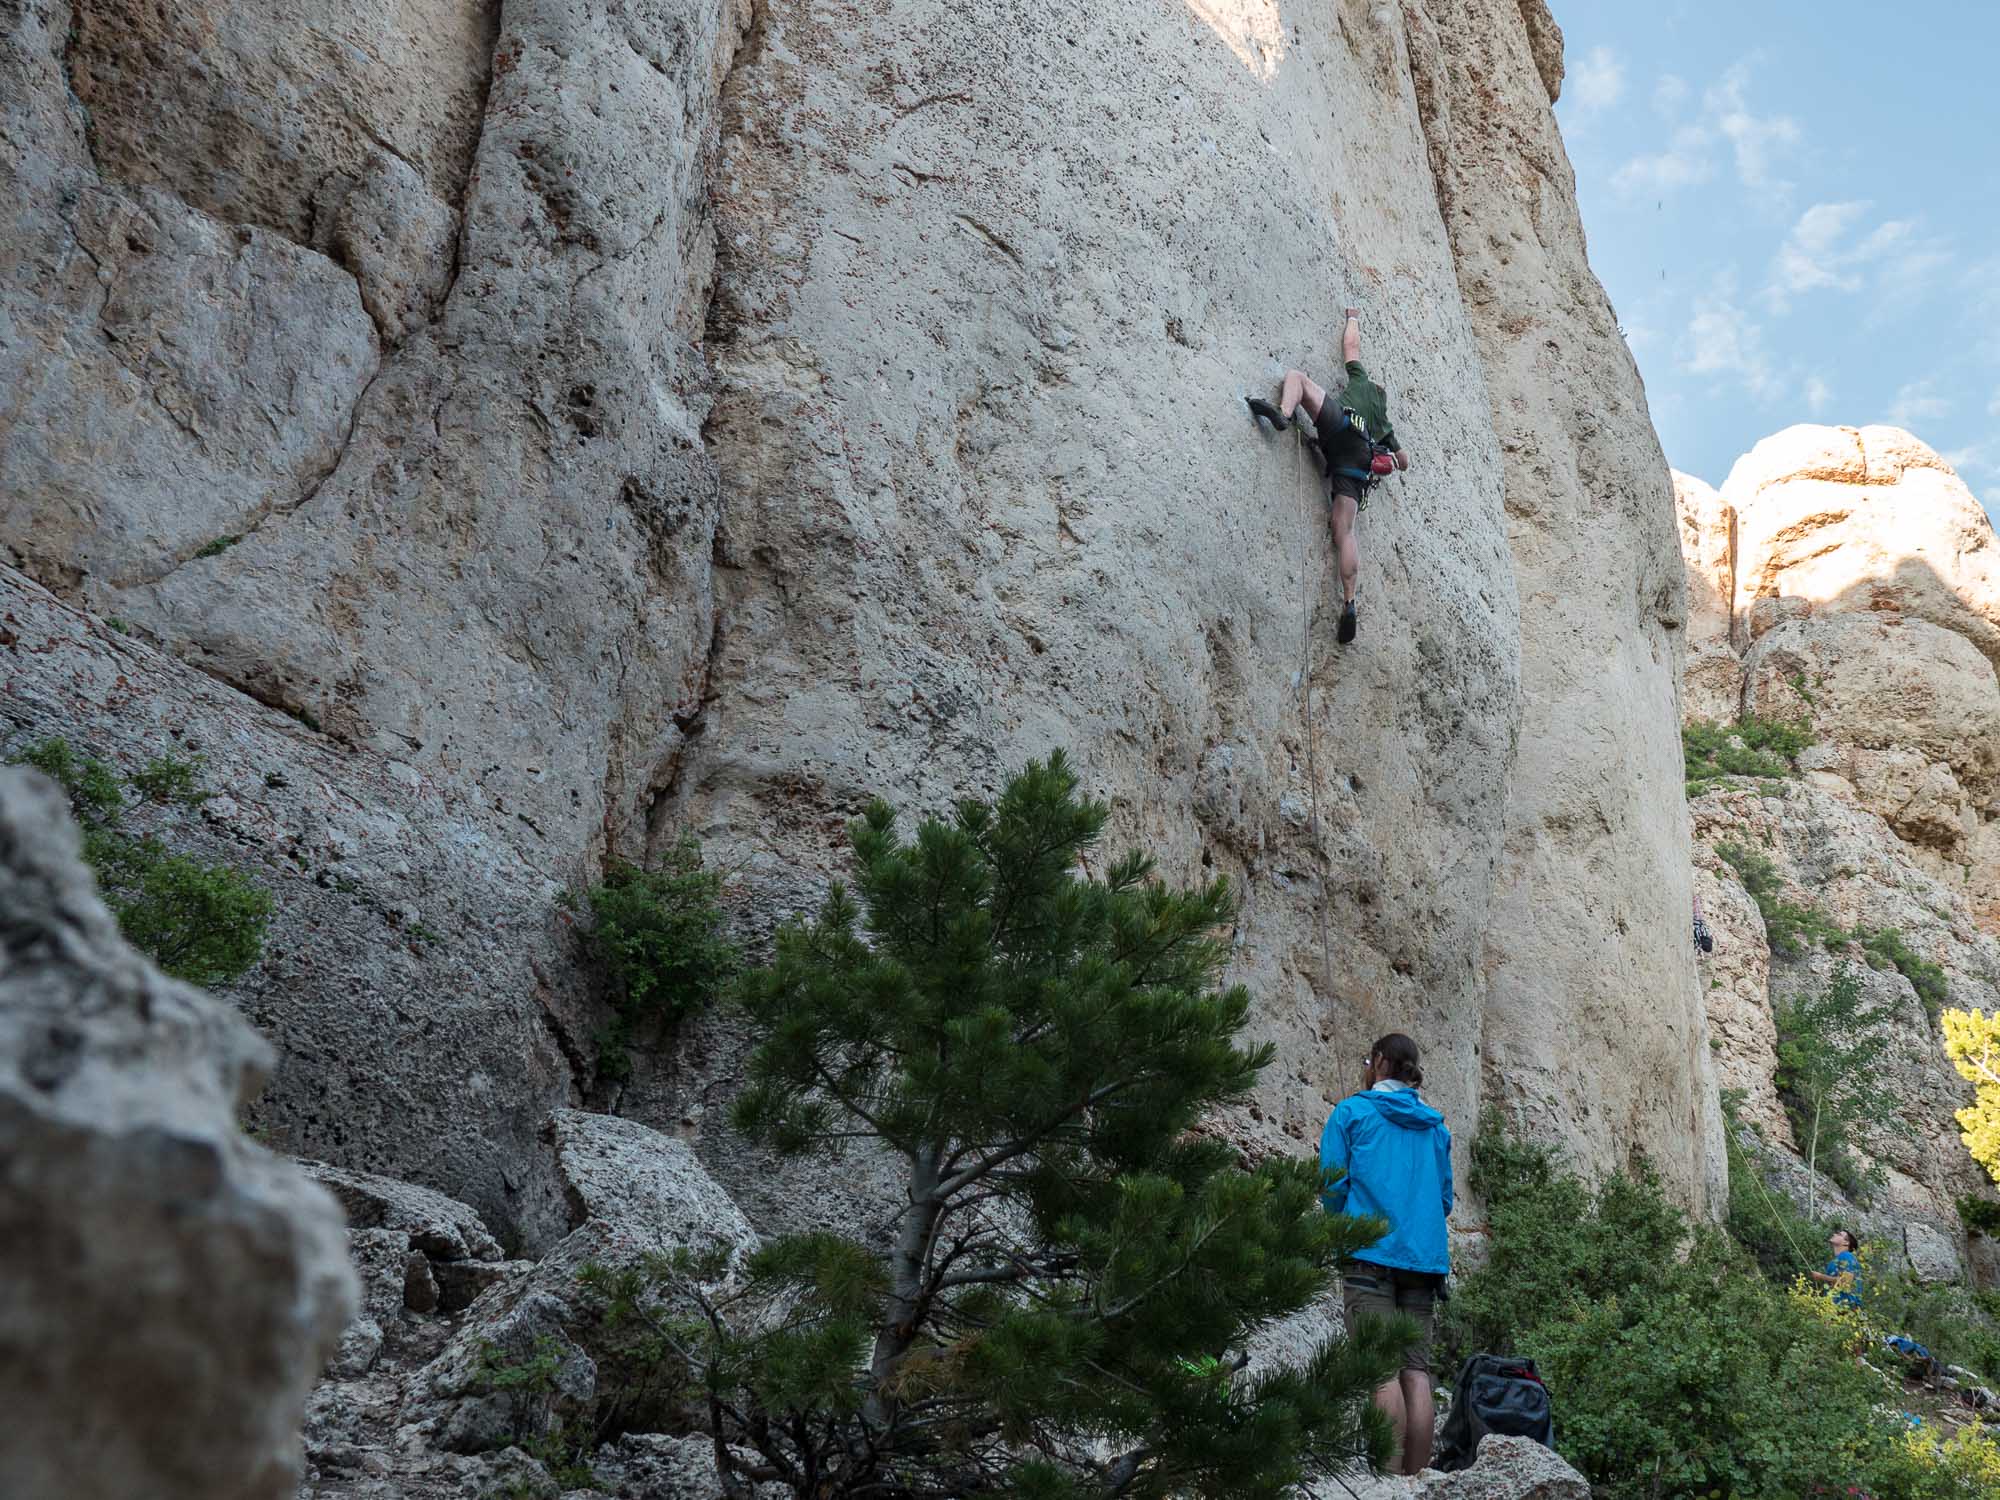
(1847, 577)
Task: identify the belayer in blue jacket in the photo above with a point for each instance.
(1395, 1154)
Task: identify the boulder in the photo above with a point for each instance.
(168, 1289)
(442, 1228)
(635, 1193)
(1933, 1254)
(1507, 1468)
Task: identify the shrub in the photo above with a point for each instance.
(168, 778)
(1059, 1302)
(1979, 1215)
(95, 793)
(1788, 927)
(1675, 1369)
(663, 942)
(1754, 747)
(201, 922)
(1763, 1221)
(1885, 949)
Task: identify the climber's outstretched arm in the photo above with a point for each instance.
(1350, 336)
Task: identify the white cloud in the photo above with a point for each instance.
(1721, 341)
(1818, 394)
(1918, 401)
(1819, 254)
(1758, 140)
(1683, 164)
(1597, 82)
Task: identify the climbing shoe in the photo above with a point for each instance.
(1259, 407)
(1348, 621)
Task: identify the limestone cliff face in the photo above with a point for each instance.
(1847, 577)
(590, 420)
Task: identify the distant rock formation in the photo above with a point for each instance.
(1848, 578)
(168, 1289)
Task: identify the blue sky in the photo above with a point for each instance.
(1796, 210)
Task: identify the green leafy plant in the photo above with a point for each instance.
(1788, 927)
(663, 942)
(1979, 1215)
(530, 1382)
(1061, 1306)
(1758, 748)
(219, 546)
(1884, 948)
(1679, 1370)
(1761, 1219)
(198, 921)
(1829, 1044)
(170, 778)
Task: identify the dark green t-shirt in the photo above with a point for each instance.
(1346, 448)
(1370, 404)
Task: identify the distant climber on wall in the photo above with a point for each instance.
(1395, 1153)
(1355, 440)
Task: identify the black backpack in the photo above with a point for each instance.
(1494, 1394)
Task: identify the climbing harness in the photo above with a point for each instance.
(1381, 461)
(1305, 708)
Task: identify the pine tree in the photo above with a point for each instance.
(1075, 1267)
(1972, 1042)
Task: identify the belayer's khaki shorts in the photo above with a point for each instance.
(1378, 1292)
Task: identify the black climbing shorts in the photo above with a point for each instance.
(1340, 484)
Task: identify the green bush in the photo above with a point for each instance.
(1675, 1369)
(95, 792)
(1788, 928)
(1979, 1215)
(1751, 747)
(201, 922)
(664, 945)
(1885, 949)
(1947, 1320)
(1829, 1046)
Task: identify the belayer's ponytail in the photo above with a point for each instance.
(1400, 1053)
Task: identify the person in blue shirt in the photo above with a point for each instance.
(1843, 1272)
(1395, 1154)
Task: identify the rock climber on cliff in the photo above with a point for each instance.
(1355, 440)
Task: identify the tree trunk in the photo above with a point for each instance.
(906, 1283)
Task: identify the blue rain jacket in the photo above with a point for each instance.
(1396, 1153)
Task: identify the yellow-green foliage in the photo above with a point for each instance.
(1972, 1042)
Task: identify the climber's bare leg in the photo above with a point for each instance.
(1389, 1400)
(1345, 550)
(1419, 1417)
(1350, 336)
(1300, 391)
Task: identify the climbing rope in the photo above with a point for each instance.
(1305, 701)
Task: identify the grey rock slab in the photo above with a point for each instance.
(1934, 1255)
(442, 1227)
(168, 1289)
(620, 1171)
